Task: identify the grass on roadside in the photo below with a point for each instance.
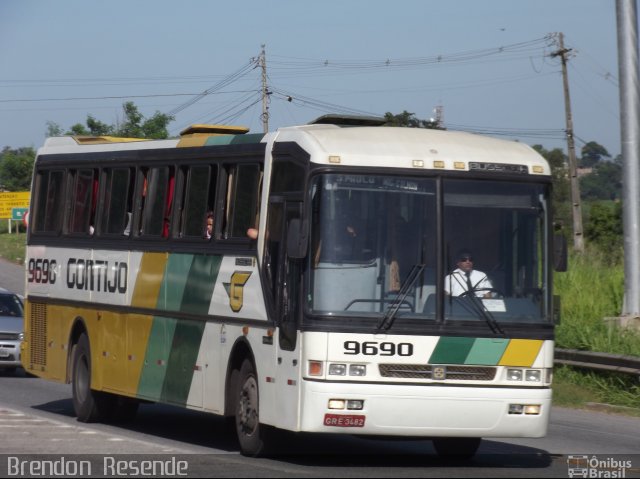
(591, 290)
(12, 246)
(578, 389)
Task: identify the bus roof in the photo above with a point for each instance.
(379, 146)
(410, 148)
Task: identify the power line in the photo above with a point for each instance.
(218, 86)
(115, 97)
(521, 50)
(548, 133)
(312, 103)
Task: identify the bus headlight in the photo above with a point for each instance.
(514, 374)
(533, 375)
(357, 370)
(337, 369)
(528, 375)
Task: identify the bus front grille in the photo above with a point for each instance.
(38, 334)
(438, 372)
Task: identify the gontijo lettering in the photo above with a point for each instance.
(97, 275)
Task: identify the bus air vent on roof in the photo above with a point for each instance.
(349, 120)
(214, 129)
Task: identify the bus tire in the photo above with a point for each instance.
(89, 405)
(456, 447)
(251, 434)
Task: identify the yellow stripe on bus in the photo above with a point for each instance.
(521, 352)
(150, 276)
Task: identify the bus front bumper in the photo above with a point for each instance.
(424, 410)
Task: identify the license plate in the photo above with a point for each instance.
(4, 353)
(343, 420)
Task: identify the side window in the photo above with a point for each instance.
(84, 190)
(198, 201)
(243, 187)
(50, 202)
(117, 201)
(156, 198)
(273, 237)
(287, 176)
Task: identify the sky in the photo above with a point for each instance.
(486, 66)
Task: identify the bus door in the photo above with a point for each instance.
(287, 310)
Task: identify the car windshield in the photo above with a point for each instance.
(10, 305)
(374, 248)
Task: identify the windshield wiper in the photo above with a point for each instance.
(390, 315)
(477, 307)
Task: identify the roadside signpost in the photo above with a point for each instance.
(14, 205)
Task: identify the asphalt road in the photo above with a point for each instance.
(36, 417)
(12, 276)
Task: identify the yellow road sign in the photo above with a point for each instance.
(16, 199)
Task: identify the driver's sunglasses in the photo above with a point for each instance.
(466, 258)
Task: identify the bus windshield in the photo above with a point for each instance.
(374, 248)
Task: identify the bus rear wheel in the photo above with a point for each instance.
(456, 447)
(89, 405)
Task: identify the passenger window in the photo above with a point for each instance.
(117, 201)
(84, 190)
(198, 200)
(50, 203)
(156, 197)
(243, 185)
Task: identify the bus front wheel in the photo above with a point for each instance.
(251, 434)
(89, 405)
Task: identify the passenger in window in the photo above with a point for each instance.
(208, 229)
(127, 229)
(466, 280)
(252, 233)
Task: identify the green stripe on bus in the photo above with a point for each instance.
(200, 283)
(487, 351)
(174, 282)
(450, 350)
(234, 139)
(183, 357)
(156, 358)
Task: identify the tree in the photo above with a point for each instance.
(604, 227)
(16, 166)
(409, 120)
(592, 154)
(604, 183)
(53, 129)
(134, 125)
(97, 128)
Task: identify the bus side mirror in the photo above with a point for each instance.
(296, 239)
(559, 253)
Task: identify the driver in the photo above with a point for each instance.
(465, 278)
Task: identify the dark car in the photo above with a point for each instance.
(11, 330)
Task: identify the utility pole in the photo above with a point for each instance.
(578, 238)
(627, 23)
(265, 91)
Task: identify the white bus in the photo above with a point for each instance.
(335, 318)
